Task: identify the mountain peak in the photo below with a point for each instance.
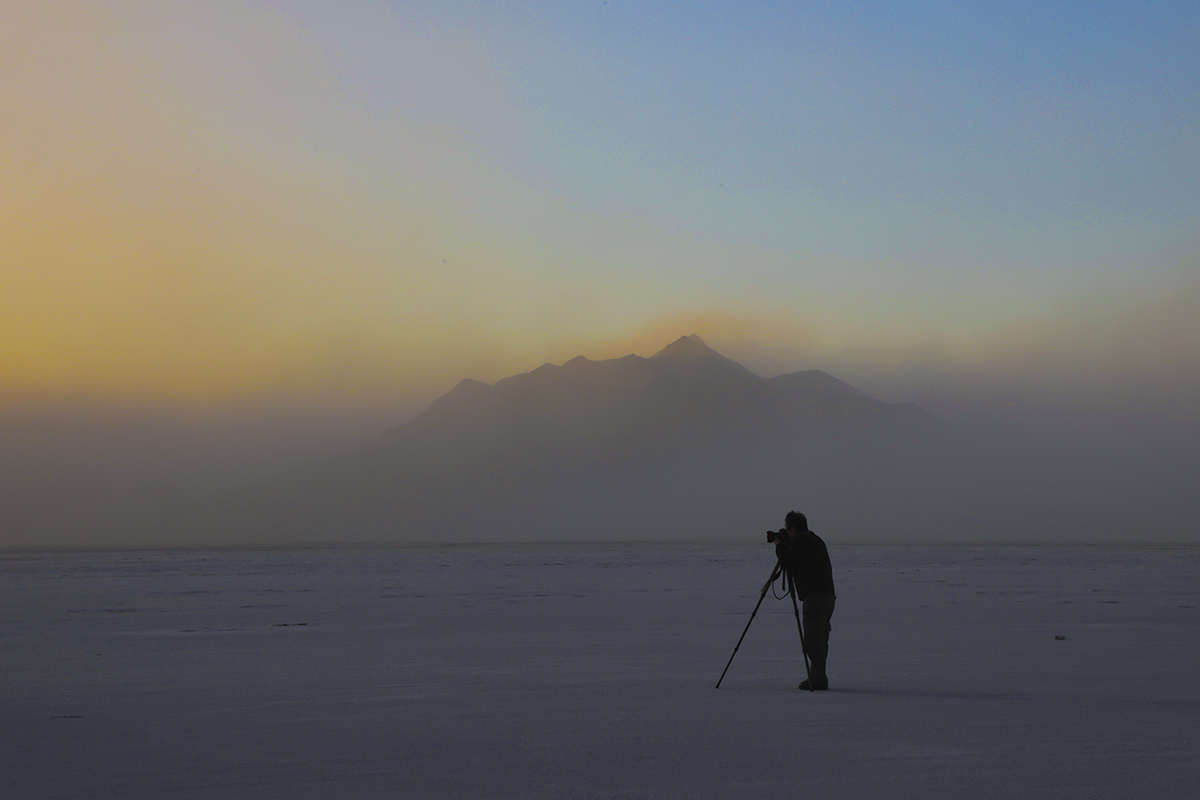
(686, 347)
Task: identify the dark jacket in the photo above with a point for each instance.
(806, 559)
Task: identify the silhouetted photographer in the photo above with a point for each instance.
(804, 559)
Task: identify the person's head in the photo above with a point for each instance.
(795, 522)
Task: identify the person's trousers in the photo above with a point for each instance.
(817, 611)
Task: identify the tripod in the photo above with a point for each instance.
(775, 572)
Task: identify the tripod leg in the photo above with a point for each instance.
(761, 597)
(799, 627)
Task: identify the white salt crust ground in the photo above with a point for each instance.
(560, 672)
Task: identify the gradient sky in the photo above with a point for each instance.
(353, 205)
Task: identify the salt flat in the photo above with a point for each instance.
(589, 672)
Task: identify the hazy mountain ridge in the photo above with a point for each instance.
(686, 382)
(683, 444)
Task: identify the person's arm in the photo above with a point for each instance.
(789, 552)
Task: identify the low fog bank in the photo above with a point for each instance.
(82, 475)
(1131, 481)
(106, 478)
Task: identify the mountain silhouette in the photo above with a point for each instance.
(685, 444)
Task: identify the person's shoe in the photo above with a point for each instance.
(814, 686)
